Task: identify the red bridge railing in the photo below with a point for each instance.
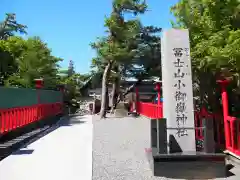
(232, 129)
(13, 118)
(150, 110)
(20, 106)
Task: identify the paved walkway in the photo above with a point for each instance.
(63, 154)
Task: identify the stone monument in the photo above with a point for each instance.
(175, 155)
(177, 90)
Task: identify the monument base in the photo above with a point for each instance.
(187, 165)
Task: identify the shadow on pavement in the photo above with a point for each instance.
(23, 152)
(71, 121)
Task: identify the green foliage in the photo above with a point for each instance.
(73, 82)
(147, 60)
(10, 26)
(215, 37)
(214, 32)
(27, 60)
(133, 48)
(115, 47)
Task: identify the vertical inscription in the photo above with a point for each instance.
(180, 94)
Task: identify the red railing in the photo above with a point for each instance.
(232, 133)
(150, 110)
(13, 118)
(155, 111)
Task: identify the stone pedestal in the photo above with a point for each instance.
(183, 165)
(190, 165)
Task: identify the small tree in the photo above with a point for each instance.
(10, 26)
(113, 50)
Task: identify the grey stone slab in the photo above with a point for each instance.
(177, 89)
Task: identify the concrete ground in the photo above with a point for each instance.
(63, 154)
(119, 150)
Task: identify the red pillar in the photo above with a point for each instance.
(159, 108)
(223, 84)
(158, 89)
(38, 86)
(39, 83)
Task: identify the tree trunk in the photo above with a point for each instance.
(129, 89)
(115, 93)
(104, 90)
(107, 99)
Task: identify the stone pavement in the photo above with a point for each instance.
(119, 150)
(63, 154)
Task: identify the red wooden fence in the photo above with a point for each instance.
(150, 110)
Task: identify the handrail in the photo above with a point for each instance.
(13, 118)
(155, 111)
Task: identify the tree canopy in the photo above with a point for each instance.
(215, 37)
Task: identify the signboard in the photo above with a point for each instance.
(177, 90)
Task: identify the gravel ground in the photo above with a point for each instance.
(119, 150)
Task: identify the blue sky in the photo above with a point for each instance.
(68, 26)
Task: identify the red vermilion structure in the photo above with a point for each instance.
(39, 83)
(13, 118)
(17, 117)
(226, 127)
(150, 110)
(231, 124)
